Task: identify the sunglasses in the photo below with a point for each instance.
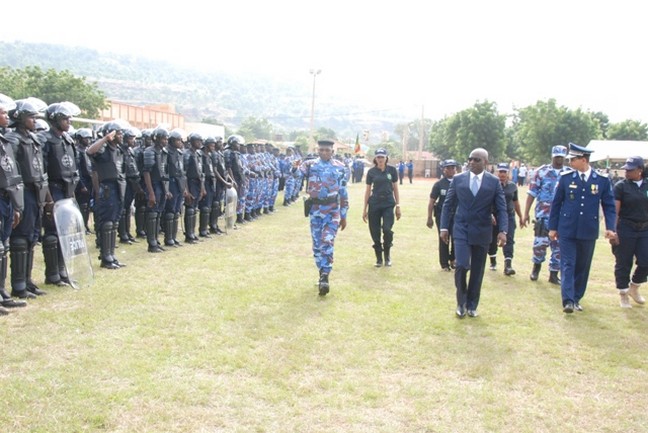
(474, 159)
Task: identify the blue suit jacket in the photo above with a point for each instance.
(575, 207)
(473, 214)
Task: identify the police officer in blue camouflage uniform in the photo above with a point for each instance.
(542, 188)
(574, 218)
(326, 188)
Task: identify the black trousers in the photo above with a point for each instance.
(629, 249)
(446, 251)
(381, 221)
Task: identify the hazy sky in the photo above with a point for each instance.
(399, 55)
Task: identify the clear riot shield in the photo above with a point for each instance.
(231, 199)
(72, 239)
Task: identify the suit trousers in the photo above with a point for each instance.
(469, 258)
(575, 261)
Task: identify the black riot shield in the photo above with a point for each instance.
(72, 239)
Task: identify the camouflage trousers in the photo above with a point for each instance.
(324, 224)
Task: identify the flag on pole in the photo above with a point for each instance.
(357, 149)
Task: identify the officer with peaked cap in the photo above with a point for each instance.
(542, 187)
(631, 197)
(574, 219)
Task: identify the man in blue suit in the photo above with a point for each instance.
(574, 218)
(472, 197)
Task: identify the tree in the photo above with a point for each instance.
(53, 86)
(541, 126)
(478, 126)
(253, 128)
(628, 130)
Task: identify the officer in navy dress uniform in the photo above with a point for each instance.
(574, 219)
(631, 198)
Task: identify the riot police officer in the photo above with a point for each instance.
(435, 205)
(141, 199)
(11, 202)
(156, 178)
(108, 163)
(233, 165)
(193, 164)
(29, 157)
(133, 185)
(223, 182)
(177, 188)
(59, 158)
(205, 204)
(84, 190)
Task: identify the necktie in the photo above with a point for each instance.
(583, 177)
(474, 186)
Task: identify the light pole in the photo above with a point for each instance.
(315, 73)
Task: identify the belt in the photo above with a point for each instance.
(636, 225)
(327, 200)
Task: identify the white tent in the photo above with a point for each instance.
(617, 150)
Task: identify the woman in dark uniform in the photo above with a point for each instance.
(631, 198)
(381, 197)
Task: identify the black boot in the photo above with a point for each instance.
(6, 300)
(379, 257)
(323, 284)
(203, 224)
(176, 221)
(536, 271)
(508, 270)
(123, 237)
(493, 263)
(152, 231)
(553, 277)
(107, 259)
(113, 246)
(388, 255)
(31, 287)
(190, 225)
(18, 254)
(51, 258)
(140, 222)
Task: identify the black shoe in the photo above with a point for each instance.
(59, 283)
(204, 235)
(379, 263)
(536, 271)
(323, 284)
(578, 307)
(3, 311)
(509, 271)
(126, 241)
(154, 249)
(33, 288)
(12, 303)
(23, 294)
(109, 265)
(461, 311)
(118, 263)
(553, 278)
(568, 308)
(473, 313)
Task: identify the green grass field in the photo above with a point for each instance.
(230, 336)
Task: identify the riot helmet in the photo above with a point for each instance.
(159, 133)
(6, 103)
(61, 110)
(235, 140)
(24, 109)
(41, 126)
(83, 133)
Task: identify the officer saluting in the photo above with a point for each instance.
(574, 218)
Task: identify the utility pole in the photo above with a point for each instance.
(314, 73)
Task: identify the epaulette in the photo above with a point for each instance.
(568, 171)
